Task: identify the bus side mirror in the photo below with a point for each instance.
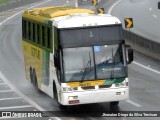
(129, 54)
(56, 62)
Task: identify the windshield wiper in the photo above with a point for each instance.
(86, 68)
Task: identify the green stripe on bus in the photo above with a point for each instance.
(45, 67)
(111, 81)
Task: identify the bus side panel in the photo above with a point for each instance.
(45, 67)
(33, 60)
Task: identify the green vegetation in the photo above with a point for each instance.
(4, 1)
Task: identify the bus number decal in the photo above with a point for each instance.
(84, 84)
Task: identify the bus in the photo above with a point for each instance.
(75, 55)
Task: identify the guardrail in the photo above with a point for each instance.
(142, 44)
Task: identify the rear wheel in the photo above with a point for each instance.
(34, 79)
(31, 74)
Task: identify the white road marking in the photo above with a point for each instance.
(150, 9)
(155, 16)
(110, 10)
(13, 98)
(133, 103)
(2, 83)
(20, 93)
(2, 91)
(15, 107)
(155, 71)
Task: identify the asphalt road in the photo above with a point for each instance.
(144, 81)
(16, 3)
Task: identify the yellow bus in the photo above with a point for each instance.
(75, 55)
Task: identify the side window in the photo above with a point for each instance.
(43, 36)
(55, 39)
(38, 33)
(29, 30)
(33, 32)
(24, 28)
(48, 37)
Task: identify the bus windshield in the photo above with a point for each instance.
(92, 63)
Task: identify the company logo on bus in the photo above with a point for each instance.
(85, 84)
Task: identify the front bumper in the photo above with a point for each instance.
(95, 96)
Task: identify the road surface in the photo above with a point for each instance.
(143, 74)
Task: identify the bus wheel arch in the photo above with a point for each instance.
(55, 95)
(35, 82)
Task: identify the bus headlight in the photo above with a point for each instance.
(72, 97)
(67, 89)
(120, 85)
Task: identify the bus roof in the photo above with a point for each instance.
(67, 16)
(47, 13)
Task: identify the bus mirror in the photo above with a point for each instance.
(129, 54)
(56, 63)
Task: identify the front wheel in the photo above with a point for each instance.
(61, 107)
(115, 103)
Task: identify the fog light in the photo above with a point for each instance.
(120, 85)
(120, 93)
(72, 97)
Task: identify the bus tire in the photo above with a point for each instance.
(115, 103)
(62, 107)
(31, 74)
(35, 83)
(55, 92)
